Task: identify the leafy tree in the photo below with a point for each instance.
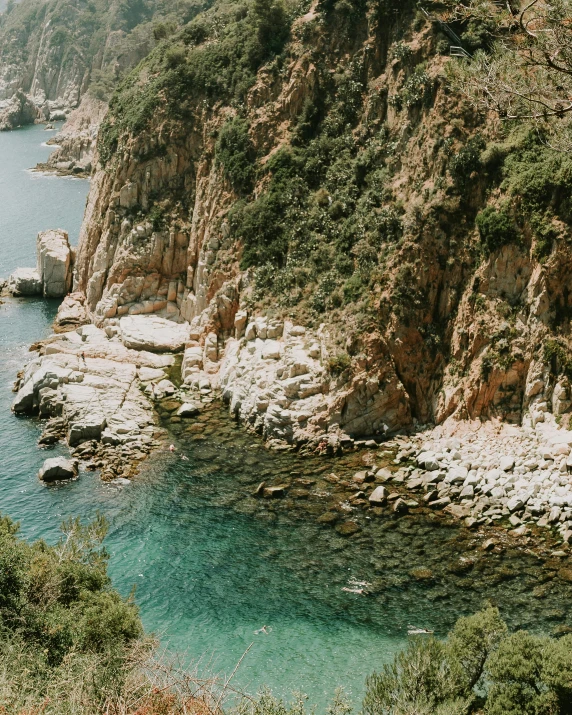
(235, 151)
(526, 73)
(496, 228)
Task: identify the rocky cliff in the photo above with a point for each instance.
(75, 142)
(54, 51)
(354, 248)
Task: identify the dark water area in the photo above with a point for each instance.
(211, 563)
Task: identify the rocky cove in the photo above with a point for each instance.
(377, 565)
(322, 405)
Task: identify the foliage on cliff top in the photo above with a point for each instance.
(214, 58)
(60, 616)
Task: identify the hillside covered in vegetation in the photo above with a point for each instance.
(318, 162)
(59, 49)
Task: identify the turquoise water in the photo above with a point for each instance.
(210, 563)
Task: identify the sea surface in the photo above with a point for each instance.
(210, 564)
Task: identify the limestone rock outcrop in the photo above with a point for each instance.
(92, 383)
(58, 468)
(150, 332)
(76, 140)
(52, 277)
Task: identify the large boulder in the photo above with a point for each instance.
(150, 332)
(25, 282)
(17, 112)
(58, 468)
(54, 263)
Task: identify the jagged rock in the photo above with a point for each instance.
(188, 409)
(72, 312)
(149, 374)
(514, 504)
(150, 332)
(274, 492)
(400, 506)
(54, 263)
(25, 282)
(506, 464)
(378, 496)
(58, 468)
(17, 112)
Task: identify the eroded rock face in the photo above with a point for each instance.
(92, 383)
(76, 140)
(17, 111)
(25, 282)
(453, 336)
(54, 263)
(52, 276)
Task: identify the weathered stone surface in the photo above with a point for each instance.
(58, 468)
(150, 332)
(347, 528)
(506, 463)
(25, 282)
(54, 263)
(188, 409)
(92, 383)
(72, 312)
(378, 496)
(18, 111)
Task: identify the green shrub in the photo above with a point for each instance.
(466, 163)
(235, 151)
(496, 228)
(558, 357)
(65, 633)
(339, 363)
(157, 217)
(175, 56)
(260, 226)
(353, 288)
(479, 668)
(417, 90)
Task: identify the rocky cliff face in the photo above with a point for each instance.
(75, 142)
(54, 51)
(355, 295)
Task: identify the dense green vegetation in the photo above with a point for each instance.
(70, 644)
(480, 668)
(65, 634)
(79, 34)
(215, 57)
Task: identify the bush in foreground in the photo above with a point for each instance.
(71, 645)
(480, 668)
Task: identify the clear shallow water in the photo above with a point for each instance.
(212, 564)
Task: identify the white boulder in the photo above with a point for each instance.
(58, 468)
(150, 332)
(25, 282)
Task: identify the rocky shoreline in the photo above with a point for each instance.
(112, 393)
